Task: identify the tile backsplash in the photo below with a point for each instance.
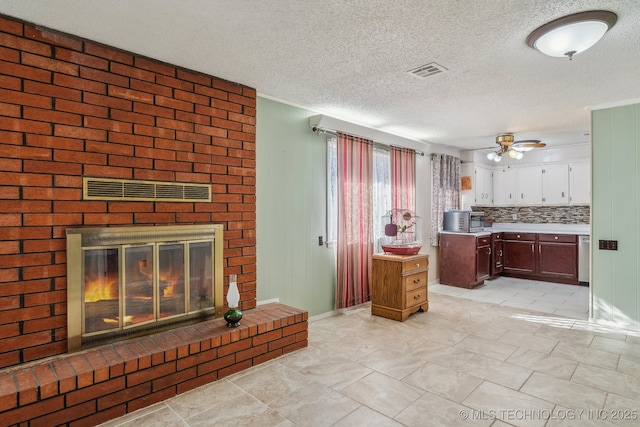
(537, 214)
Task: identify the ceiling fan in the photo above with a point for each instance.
(515, 149)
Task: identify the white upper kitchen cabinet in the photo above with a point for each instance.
(481, 193)
(555, 184)
(580, 183)
(529, 181)
(504, 186)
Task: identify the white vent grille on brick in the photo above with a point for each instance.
(427, 70)
(124, 189)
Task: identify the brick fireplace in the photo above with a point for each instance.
(70, 109)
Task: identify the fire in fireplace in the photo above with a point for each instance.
(126, 281)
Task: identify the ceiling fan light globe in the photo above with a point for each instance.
(519, 155)
(523, 148)
(512, 153)
(491, 155)
(497, 158)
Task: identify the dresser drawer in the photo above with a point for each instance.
(414, 264)
(417, 297)
(415, 281)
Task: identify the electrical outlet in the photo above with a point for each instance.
(608, 245)
(320, 242)
(514, 217)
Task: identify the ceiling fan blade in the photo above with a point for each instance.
(505, 142)
(528, 141)
(530, 144)
(484, 148)
(527, 144)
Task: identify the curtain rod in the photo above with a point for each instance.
(320, 130)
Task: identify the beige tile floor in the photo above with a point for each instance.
(554, 298)
(464, 362)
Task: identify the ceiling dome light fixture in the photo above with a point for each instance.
(572, 34)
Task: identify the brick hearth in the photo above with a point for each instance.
(96, 385)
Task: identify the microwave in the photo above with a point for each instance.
(457, 221)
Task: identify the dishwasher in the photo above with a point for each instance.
(584, 242)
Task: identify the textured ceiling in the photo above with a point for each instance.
(349, 59)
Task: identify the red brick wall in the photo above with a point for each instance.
(71, 108)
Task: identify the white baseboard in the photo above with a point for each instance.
(323, 315)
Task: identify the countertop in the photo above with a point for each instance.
(486, 232)
(518, 227)
(579, 229)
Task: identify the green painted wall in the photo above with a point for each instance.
(291, 191)
(615, 278)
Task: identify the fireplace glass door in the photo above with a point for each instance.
(101, 289)
(200, 259)
(171, 276)
(131, 285)
(139, 280)
(127, 281)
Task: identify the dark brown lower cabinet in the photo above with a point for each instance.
(549, 257)
(465, 259)
(519, 253)
(483, 258)
(497, 254)
(558, 257)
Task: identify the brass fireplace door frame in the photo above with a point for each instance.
(80, 238)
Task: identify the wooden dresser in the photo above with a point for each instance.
(399, 285)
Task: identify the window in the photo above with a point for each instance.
(381, 191)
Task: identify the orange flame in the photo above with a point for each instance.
(100, 288)
(115, 320)
(171, 280)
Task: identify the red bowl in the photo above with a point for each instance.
(401, 249)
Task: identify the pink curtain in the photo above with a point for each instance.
(403, 178)
(355, 221)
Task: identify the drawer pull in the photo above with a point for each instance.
(416, 281)
(417, 264)
(416, 296)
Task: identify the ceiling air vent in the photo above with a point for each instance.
(427, 70)
(124, 189)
